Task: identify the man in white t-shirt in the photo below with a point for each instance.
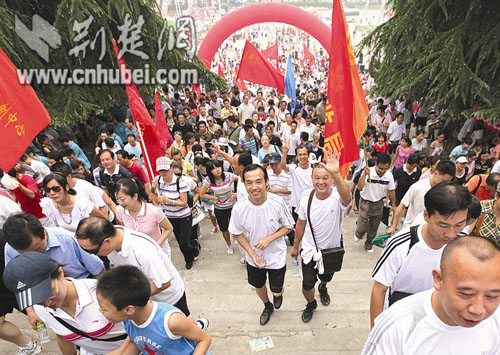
(458, 316)
(405, 265)
(282, 111)
(301, 175)
(292, 138)
(395, 132)
(124, 246)
(322, 207)
(264, 243)
(245, 110)
(413, 200)
(419, 143)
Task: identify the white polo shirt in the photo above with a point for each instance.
(377, 189)
(142, 251)
(411, 326)
(87, 319)
(247, 219)
(396, 131)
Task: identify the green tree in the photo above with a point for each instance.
(446, 49)
(72, 103)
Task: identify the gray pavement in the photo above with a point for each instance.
(217, 288)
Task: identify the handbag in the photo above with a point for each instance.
(197, 213)
(333, 257)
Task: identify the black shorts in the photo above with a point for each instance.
(223, 217)
(182, 305)
(310, 276)
(421, 121)
(257, 277)
(7, 303)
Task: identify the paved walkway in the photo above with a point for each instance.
(217, 289)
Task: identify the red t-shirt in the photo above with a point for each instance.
(137, 170)
(381, 150)
(28, 205)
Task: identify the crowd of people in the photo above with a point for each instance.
(85, 233)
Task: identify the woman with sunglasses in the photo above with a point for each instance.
(135, 213)
(222, 185)
(67, 306)
(62, 206)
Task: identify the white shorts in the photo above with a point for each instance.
(207, 205)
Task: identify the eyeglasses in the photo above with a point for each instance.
(96, 250)
(54, 188)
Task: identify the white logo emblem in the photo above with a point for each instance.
(20, 285)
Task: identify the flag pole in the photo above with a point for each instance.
(145, 151)
(366, 158)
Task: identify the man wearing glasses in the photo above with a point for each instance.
(24, 233)
(373, 185)
(124, 246)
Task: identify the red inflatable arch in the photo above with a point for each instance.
(259, 13)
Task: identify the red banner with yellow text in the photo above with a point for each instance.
(22, 115)
(346, 110)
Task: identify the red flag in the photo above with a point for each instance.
(196, 88)
(255, 68)
(346, 110)
(146, 129)
(22, 115)
(308, 54)
(161, 124)
(220, 72)
(272, 53)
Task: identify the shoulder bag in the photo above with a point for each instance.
(333, 257)
(85, 335)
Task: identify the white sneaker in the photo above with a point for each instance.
(230, 250)
(29, 349)
(203, 323)
(243, 261)
(356, 239)
(369, 250)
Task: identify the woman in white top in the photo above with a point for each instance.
(135, 213)
(62, 208)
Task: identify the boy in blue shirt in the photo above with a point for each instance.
(152, 327)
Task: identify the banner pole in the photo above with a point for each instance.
(144, 150)
(366, 158)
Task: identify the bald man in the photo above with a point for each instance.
(458, 316)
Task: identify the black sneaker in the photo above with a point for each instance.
(277, 301)
(307, 314)
(189, 265)
(323, 294)
(266, 313)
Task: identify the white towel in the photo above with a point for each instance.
(309, 254)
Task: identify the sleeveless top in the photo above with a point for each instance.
(154, 337)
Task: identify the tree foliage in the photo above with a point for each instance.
(70, 103)
(446, 49)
